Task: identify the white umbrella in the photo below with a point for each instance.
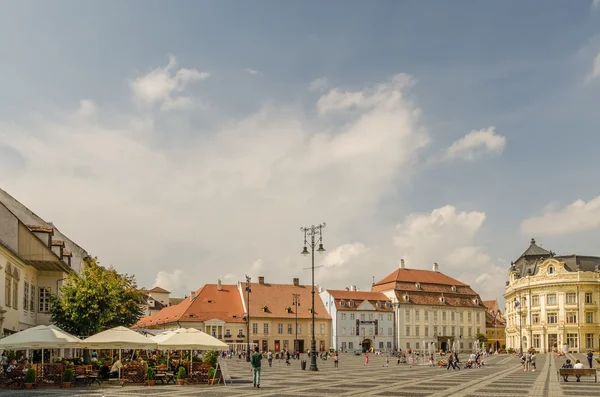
(188, 339)
(118, 338)
(40, 337)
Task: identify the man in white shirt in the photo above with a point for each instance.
(114, 371)
(578, 365)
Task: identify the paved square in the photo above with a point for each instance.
(501, 377)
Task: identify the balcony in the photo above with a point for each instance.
(227, 336)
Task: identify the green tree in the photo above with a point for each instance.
(481, 338)
(96, 300)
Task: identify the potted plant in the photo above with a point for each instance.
(150, 375)
(29, 378)
(68, 377)
(181, 375)
(211, 375)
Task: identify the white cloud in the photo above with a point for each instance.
(343, 254)
(252, 71)
(170, 281)
(595, 4)
(319, 84)
(578, 216)
(449, 238)
(160, 85)
(209, 204)
(476, 144)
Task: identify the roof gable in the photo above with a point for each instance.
(159, 290)
(366, 305)
(419, 276)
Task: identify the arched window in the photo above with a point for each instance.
(550, 269)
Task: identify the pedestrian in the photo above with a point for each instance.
(450, 362)
(336, 360)
(411, 361)
(431, 360)
(590, 357)
(533, 361)
(270, 358)
(287, 358)
(387, 361)
(255, 360)
(366, 359)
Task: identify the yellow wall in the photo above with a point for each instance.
(286, 340)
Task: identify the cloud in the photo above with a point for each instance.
(476, 144)
(210, 203)
(595, 4)
(343, 254)
(170, 281)
(160, 85)
(252, 71)
(578, 216)
(319, 84)
(449, 238)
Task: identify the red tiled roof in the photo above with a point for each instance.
(419, 276)
(434, 299)
(210, 303)
(39, 228)
(358, 297)
(159, 290)
(278, 297)
(167, 315)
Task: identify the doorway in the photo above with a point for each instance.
(552, 342)
(299, 345)
(366, 345)
(444, 346)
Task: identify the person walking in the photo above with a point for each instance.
(590, 357)
(255, 361)
(366, 359)
(533, 368)
(270, 358)
(336, 360)
(450, 362)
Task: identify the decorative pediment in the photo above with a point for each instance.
(365, 305)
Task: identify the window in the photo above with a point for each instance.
(25, 296)
(552, 318)
(7, 290)
(32, 300)
(478, 317)
(265, 328)
(571, 317)
(417, 346)
(389, 345)
(469, 317)
(435, 330)
(470, 345)
(470, 331)
(572, 340)
(535, 318)
(478, 330)
(44, 299)
(381, 345)
(408, 330)
(407, 312)
(380, 331)
(443, 316)
(240, 331)
(589, 341)
(589, 297)
(342, 303)
(299, 329)
(280, 328)
(550, 269)
(352, 330)
(452, 316)
(362, 317)
(551, 299)
(444, 331)
(389, 317)
(290, 329)
(351, 303)
(462, 331)
(255, 328)
(461, 317)
(370, 316)
(350, 345)
(453, 331)
(417, 314)
(381, 317)
(408, 345)
(228, 332)
(571, 298)
(417, 331)
(352, 316)
(426, 315)
(343, 345)
(343, 316)
(535, 300)
(322, 329)
(344, 331)
(390, 331)
(589, 317)
(370, 331)
(462, 345)
(15, 294)
(435, 315)
(426, 330)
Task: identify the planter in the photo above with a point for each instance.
(180, 382)
(28, 386)
(212, 381)
(66, 385)
(151, 382)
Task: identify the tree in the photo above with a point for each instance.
(481, 338)
(96, 300)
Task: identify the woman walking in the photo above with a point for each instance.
(366, 359)
(336, 360)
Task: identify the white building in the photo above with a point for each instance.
(360, 320)
(34, 259)
(433, 307)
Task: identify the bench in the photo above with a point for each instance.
(577, 372)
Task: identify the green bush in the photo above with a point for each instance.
(150, 374)
(211, 357)
(68, 375)
(211, 373)
(29, 376)
(181, 373)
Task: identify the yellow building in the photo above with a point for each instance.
(553, 302)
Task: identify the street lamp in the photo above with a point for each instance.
(314, 232)
(248, 290)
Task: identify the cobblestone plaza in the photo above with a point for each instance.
(501, 377)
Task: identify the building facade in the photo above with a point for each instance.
(495, 326)
(553, 302)
(432, 307)
(361, 320)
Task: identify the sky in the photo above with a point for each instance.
(186, 142)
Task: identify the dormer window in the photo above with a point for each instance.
(288, 309)
(550, 269)
(418, 285)
(388, 305)
(342, 303)
(476, 301)
(378, 304)
(442, 299)
(352, 303)
(265, 308)
(454, 288)
(406, 298)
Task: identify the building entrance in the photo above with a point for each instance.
(366, 345)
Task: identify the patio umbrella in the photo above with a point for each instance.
(118, 338)
(188, 339)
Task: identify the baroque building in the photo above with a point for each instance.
(553, 302)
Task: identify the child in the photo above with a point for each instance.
(431, 360)
(387, 361)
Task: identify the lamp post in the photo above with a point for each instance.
(296, 303)
(248, 290)
(314, 232)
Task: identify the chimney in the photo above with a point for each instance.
(353, 288)
(401, 263)
(296, 282)
(436, 268)
(261, 280)
(219, 286)
(192, 296)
